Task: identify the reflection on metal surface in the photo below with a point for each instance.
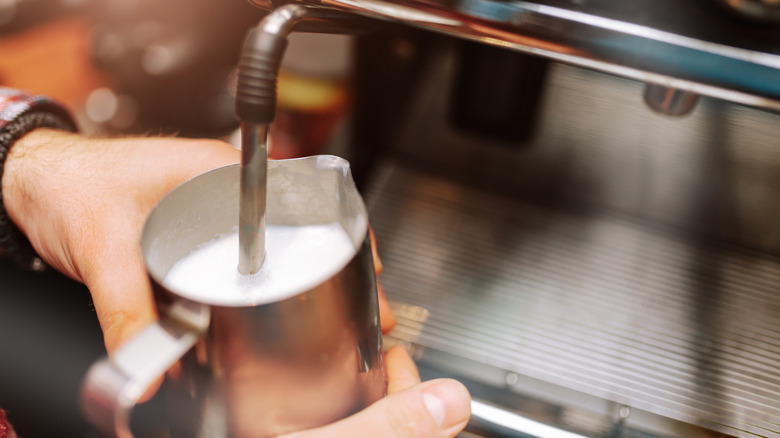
(253, 188)
(408, 328)
(600, 148)
(621, 264)
(669, 101)
(759, 10)
(603, 306)
(520, 425)
(403, 13)
(745, 75)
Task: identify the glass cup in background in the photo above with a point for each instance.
(313, 94)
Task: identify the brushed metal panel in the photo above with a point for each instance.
(599, 303)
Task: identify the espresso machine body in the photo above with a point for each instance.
(618, 268)
(576, 209)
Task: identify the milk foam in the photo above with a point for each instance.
(296, 259)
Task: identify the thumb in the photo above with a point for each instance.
(434, 409)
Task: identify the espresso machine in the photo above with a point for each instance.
(576, 205)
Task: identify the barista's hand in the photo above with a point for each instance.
(82, 203)
(434, 409)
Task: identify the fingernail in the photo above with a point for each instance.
(448, 402)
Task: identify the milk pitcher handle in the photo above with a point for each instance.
(114, 384)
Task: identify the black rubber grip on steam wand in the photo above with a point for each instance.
(258, 69)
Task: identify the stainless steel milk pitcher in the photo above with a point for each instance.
(254, 369)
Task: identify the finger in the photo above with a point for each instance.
(434, 409)
(123, 301)
(386, 316)
(401, 370)
(120, 290)
(378, 267)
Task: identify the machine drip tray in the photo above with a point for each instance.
(594, 322)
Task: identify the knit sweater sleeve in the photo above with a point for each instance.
(6, 431)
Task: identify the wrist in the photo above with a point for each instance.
(20, 116)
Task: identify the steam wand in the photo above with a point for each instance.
(258, 69)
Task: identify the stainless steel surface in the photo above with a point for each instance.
(744, 69)
(599, 148)
(113, 388)
(622, 267)
(254, 182)
(507, 423)
(603, 306)
(258, 368)
(299, 17)
(670, 101)
(282, 20)
(257, 83)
